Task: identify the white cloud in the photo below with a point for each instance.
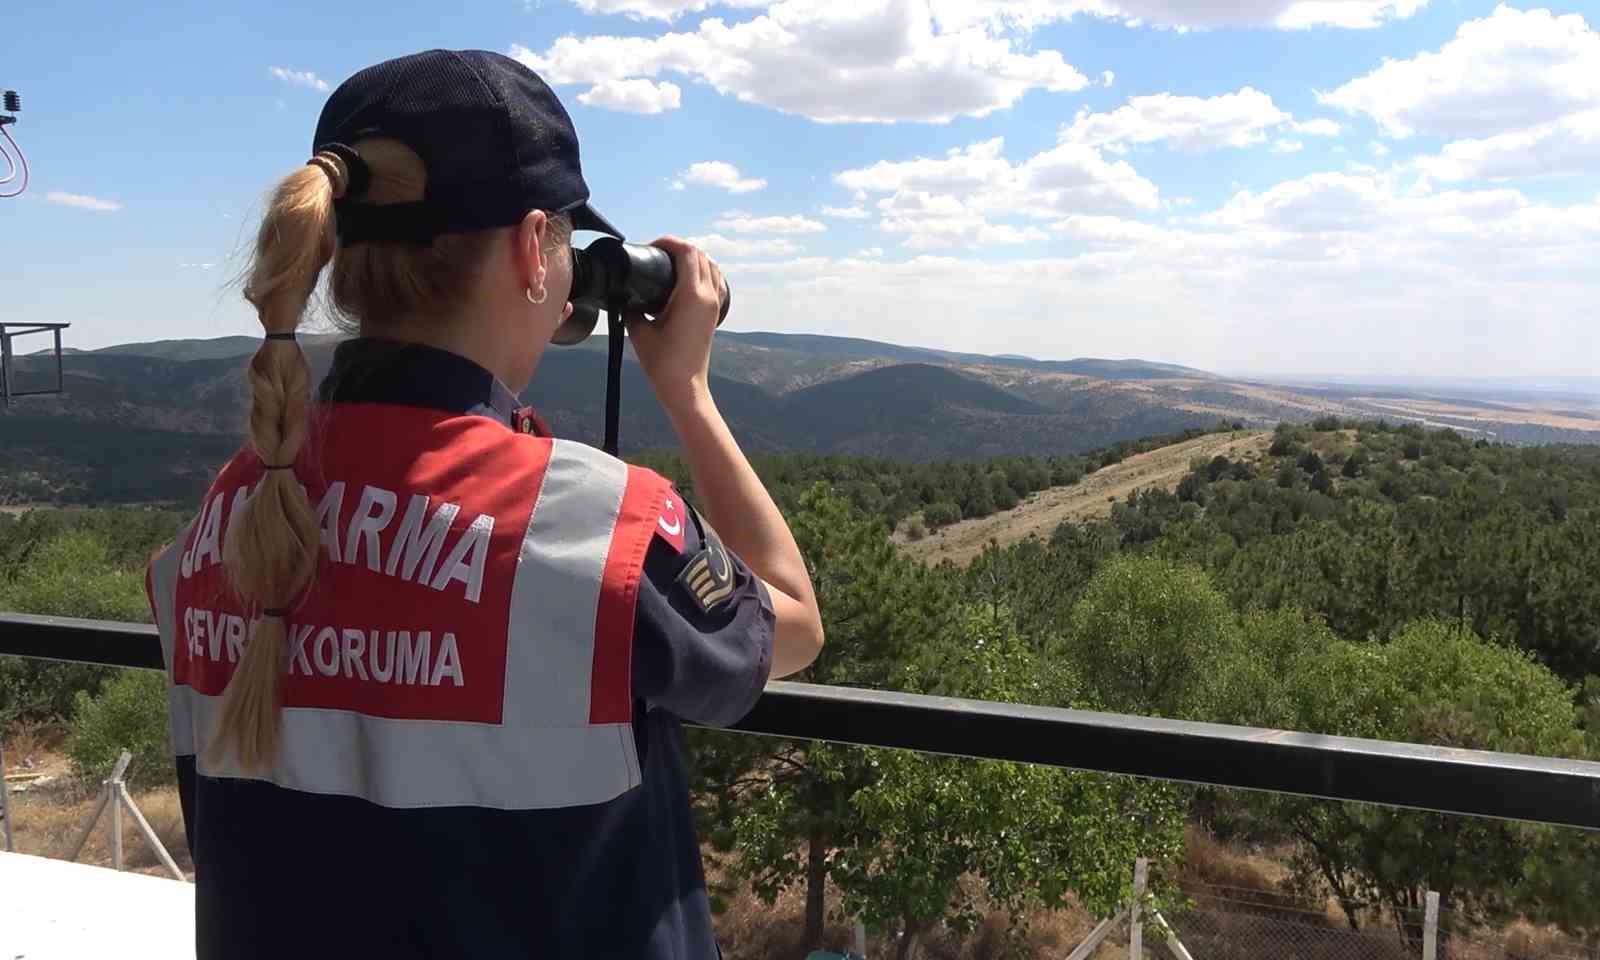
(1349, 14)
(82, 201)
(659, 9)
(1320, 127)
(1287, 146)
(1570, 145)
(720, 174)
(1067, 176)
(963, 168)
(1378, 149)
(846, 213)
(1506, 72)
(872, 61)
(299, 78)
(1002, 234)
(1192, 124)
(732, 248)
(1321, 202)
(196, 266)
(633, 95)
(870, 252)
(1187, 14)
(1073, 176)
(1107, 78)
(1338, 271)
(964, 196)
(740, 222)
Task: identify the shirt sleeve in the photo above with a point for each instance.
(704, 628)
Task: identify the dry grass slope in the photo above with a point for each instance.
(1089, 499)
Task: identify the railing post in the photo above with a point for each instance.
(1430, 928)
(1141, 870)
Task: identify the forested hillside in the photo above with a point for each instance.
(1360, 579)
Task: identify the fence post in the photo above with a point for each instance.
(115, 789)
(88, 825)
(1430, 928)
(107, 795)
(1141, 869)
(1179, 951)
(1099, 933)
(5, 800)
(150, 834)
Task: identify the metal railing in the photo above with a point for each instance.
(1442, 779)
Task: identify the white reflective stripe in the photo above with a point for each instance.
(550, 648)
(433, 763)
(164, 597)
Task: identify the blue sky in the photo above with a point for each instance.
(1333, 186)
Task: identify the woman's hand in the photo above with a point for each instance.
(675, 349)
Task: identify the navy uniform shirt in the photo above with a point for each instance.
(288, 874)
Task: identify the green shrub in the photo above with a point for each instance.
(72, 574)
(941, 514)
(916, 529)
(129, 714)
(43, 691)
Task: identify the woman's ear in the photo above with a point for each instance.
(528, 249)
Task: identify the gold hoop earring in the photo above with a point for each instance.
(543, 293)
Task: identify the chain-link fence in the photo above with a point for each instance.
(1235, 923)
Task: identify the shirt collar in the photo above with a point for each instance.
(371, 370)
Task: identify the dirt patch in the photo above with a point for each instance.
(1089, 499)
(50, 807)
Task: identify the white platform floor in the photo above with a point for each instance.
(56, 910)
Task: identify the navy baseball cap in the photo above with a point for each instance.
(495, 141)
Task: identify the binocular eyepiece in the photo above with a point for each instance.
(609, 274)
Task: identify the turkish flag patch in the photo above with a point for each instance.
(670, 526)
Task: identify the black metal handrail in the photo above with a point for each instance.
(1442, 779)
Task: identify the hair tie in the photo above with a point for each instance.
(344, 166)
(277, 466)
(283, 336)
(275, 612)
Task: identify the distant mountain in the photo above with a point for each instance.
(815, 393)
(912, 410)
(820, 345)
(814, 346)
(908, 389)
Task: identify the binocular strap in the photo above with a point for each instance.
(615, 332)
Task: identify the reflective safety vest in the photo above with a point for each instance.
(467, 638)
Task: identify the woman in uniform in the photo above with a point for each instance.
(427, 663)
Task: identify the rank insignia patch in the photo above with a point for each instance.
(708, 577)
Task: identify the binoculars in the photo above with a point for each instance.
(611, 275)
